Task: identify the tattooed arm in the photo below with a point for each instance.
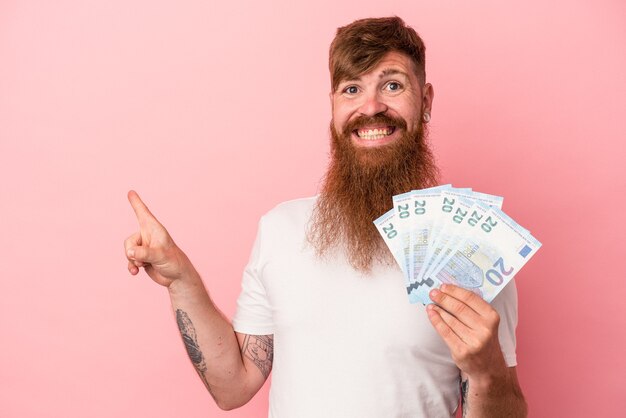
(233, 367)
(231, 379)
(258, 349)
(498, 398)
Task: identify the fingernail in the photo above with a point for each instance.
(444, 287)
(434, 293)
(131, 253)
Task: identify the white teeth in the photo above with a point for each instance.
(373, 134)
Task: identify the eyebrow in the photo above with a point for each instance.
(391, 71)
(384, 73)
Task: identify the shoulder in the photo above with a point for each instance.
(290, 213)
(283, 228)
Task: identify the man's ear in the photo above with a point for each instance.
(428, 95)
(330, 97)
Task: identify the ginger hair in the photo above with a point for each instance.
(361, 45)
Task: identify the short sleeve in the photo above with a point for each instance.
(506, 305)
(254, 313)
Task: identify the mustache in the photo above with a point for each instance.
(379, 119)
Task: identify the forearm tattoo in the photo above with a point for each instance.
(259, 349)
(464, 391)
(188, 332)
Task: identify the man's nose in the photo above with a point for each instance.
(372, 105)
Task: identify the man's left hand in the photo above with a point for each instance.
(469, 326)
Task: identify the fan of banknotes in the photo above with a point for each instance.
(450, 235)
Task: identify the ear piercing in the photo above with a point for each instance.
(426, 117)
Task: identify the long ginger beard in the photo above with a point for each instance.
(358, 188)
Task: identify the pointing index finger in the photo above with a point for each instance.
(141, 210)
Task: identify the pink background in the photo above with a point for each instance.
(215, 112)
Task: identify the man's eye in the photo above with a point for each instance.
(351, 90)
(394, 86)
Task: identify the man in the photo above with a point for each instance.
(322, 303)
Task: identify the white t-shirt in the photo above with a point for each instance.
(345, 344)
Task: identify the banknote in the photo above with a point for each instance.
(452, 235)
(490, 257)
(425, 204)
(388, 229)
(455, 205)
(402, 209)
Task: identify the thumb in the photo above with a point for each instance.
(144, 254)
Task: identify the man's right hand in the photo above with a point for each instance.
(232, 366)
(152, 247)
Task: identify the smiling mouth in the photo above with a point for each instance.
(374, 134)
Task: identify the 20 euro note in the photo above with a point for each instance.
(396, 225)
(489, 258)
(456, 206)
(387, 226)
(452, 232)
(464, 220)
(423, 206)
(435, 225)
(402, 206)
